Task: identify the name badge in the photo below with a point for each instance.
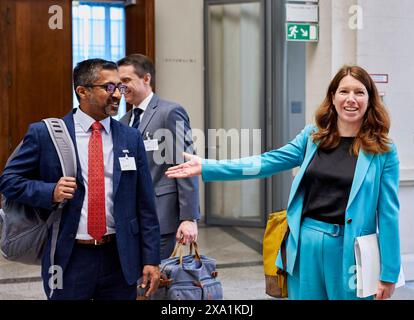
(127, 163)
(151, 145)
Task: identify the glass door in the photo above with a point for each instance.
(235, 105)
(98, 32)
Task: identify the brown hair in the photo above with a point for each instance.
(373, 134)
(142, 65)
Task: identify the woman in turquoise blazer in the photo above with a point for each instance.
(320, 255)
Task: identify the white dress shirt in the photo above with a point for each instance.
(83, 132)
(143, 105)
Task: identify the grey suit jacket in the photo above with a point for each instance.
(176, 199)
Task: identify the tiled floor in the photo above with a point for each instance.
(237, 251)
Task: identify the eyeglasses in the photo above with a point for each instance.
(109, 87)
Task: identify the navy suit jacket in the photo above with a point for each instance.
(31, 176)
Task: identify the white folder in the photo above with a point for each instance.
(368, 266)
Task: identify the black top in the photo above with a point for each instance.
(327, 183)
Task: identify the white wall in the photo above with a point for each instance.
(385, 45)
(179, 59)
(179, 55)
(336, 47)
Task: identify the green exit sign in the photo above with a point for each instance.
(302, 32)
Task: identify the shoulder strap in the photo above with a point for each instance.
(67, 156)
(63, 144)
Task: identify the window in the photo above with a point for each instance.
(98, 32)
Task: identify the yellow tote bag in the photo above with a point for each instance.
(273, 240)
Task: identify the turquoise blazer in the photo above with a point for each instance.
(373, 201)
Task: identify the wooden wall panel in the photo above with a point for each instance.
(140, 28)
(40, 66)
(4, 97)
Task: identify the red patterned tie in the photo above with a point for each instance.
(96, 184)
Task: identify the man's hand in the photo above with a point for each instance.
(187, 232)
(385, 290)
(65, 189)
(151, 275)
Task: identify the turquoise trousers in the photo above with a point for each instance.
(317, 274)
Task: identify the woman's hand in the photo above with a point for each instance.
(385, 290)
(188, 169)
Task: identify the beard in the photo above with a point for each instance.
(112, 106)
(102, 110)
(111, 110)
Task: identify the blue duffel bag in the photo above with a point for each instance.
(189, 277)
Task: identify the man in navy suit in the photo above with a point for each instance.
(109, 234)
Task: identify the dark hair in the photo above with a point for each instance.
(87, 72)
(142, 65)
(373, 134)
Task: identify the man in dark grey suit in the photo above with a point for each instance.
(166, 131)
